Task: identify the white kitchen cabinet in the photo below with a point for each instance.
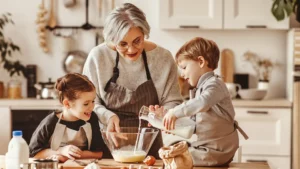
(203, 14)
(241, 14)
(218, 14)
(274, 162)
(269, 131)
(5, 130)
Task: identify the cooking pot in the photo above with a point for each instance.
(46, 90)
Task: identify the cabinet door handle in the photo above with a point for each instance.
(256, 26)
(257, 112)
(296, 73)
(257, 161)
(189, 26)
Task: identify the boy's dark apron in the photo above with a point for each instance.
(126, 103)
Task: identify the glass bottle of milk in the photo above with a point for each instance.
(184, 127)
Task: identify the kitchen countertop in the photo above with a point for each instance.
(274, 103)
(20, 104)
(111, 164)
(54, 104)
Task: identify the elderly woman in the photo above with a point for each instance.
(130, 72)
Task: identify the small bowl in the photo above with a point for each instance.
(252, 94)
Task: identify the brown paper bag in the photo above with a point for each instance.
(176, 156)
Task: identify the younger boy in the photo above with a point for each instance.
(211, 107)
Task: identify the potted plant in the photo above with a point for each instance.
(283, 8)
(263, 68)
(7, 49)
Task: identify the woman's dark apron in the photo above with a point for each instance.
(126, 103)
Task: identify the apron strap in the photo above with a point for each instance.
(146, 66)
(236, 125)
(88, 131)
(116, 73)
(57, 134)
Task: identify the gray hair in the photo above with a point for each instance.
(121, 19)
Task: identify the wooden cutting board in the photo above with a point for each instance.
(159, 163)
(227, 65)
(110, 164)
(296, 125)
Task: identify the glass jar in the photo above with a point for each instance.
(14, 89)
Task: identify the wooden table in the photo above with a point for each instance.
(111, 164)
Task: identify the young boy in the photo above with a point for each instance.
(211, 106)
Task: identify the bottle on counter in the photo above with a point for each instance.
(184, 127)
(18, 151)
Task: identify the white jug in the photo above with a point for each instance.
(184, 127)
(18, 151)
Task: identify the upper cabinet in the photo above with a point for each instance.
(241, 14)
(203, 14)
(216, 14)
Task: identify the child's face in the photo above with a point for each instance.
(82, 107)
(191, 70)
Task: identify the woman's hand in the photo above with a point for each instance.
(70, 151)
(169, 120)
(114, 126)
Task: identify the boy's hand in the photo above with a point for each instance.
(158, 110)
(169, 120)
(70, 151)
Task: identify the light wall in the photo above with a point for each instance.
(267, 43)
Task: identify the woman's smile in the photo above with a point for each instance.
(132, 55)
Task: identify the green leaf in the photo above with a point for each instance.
(12, 73)
(3, 54)
(14, 47)
(288, 8)
(278, 10)
(7, 48)
(5, 18)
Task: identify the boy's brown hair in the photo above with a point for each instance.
(200, 47)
